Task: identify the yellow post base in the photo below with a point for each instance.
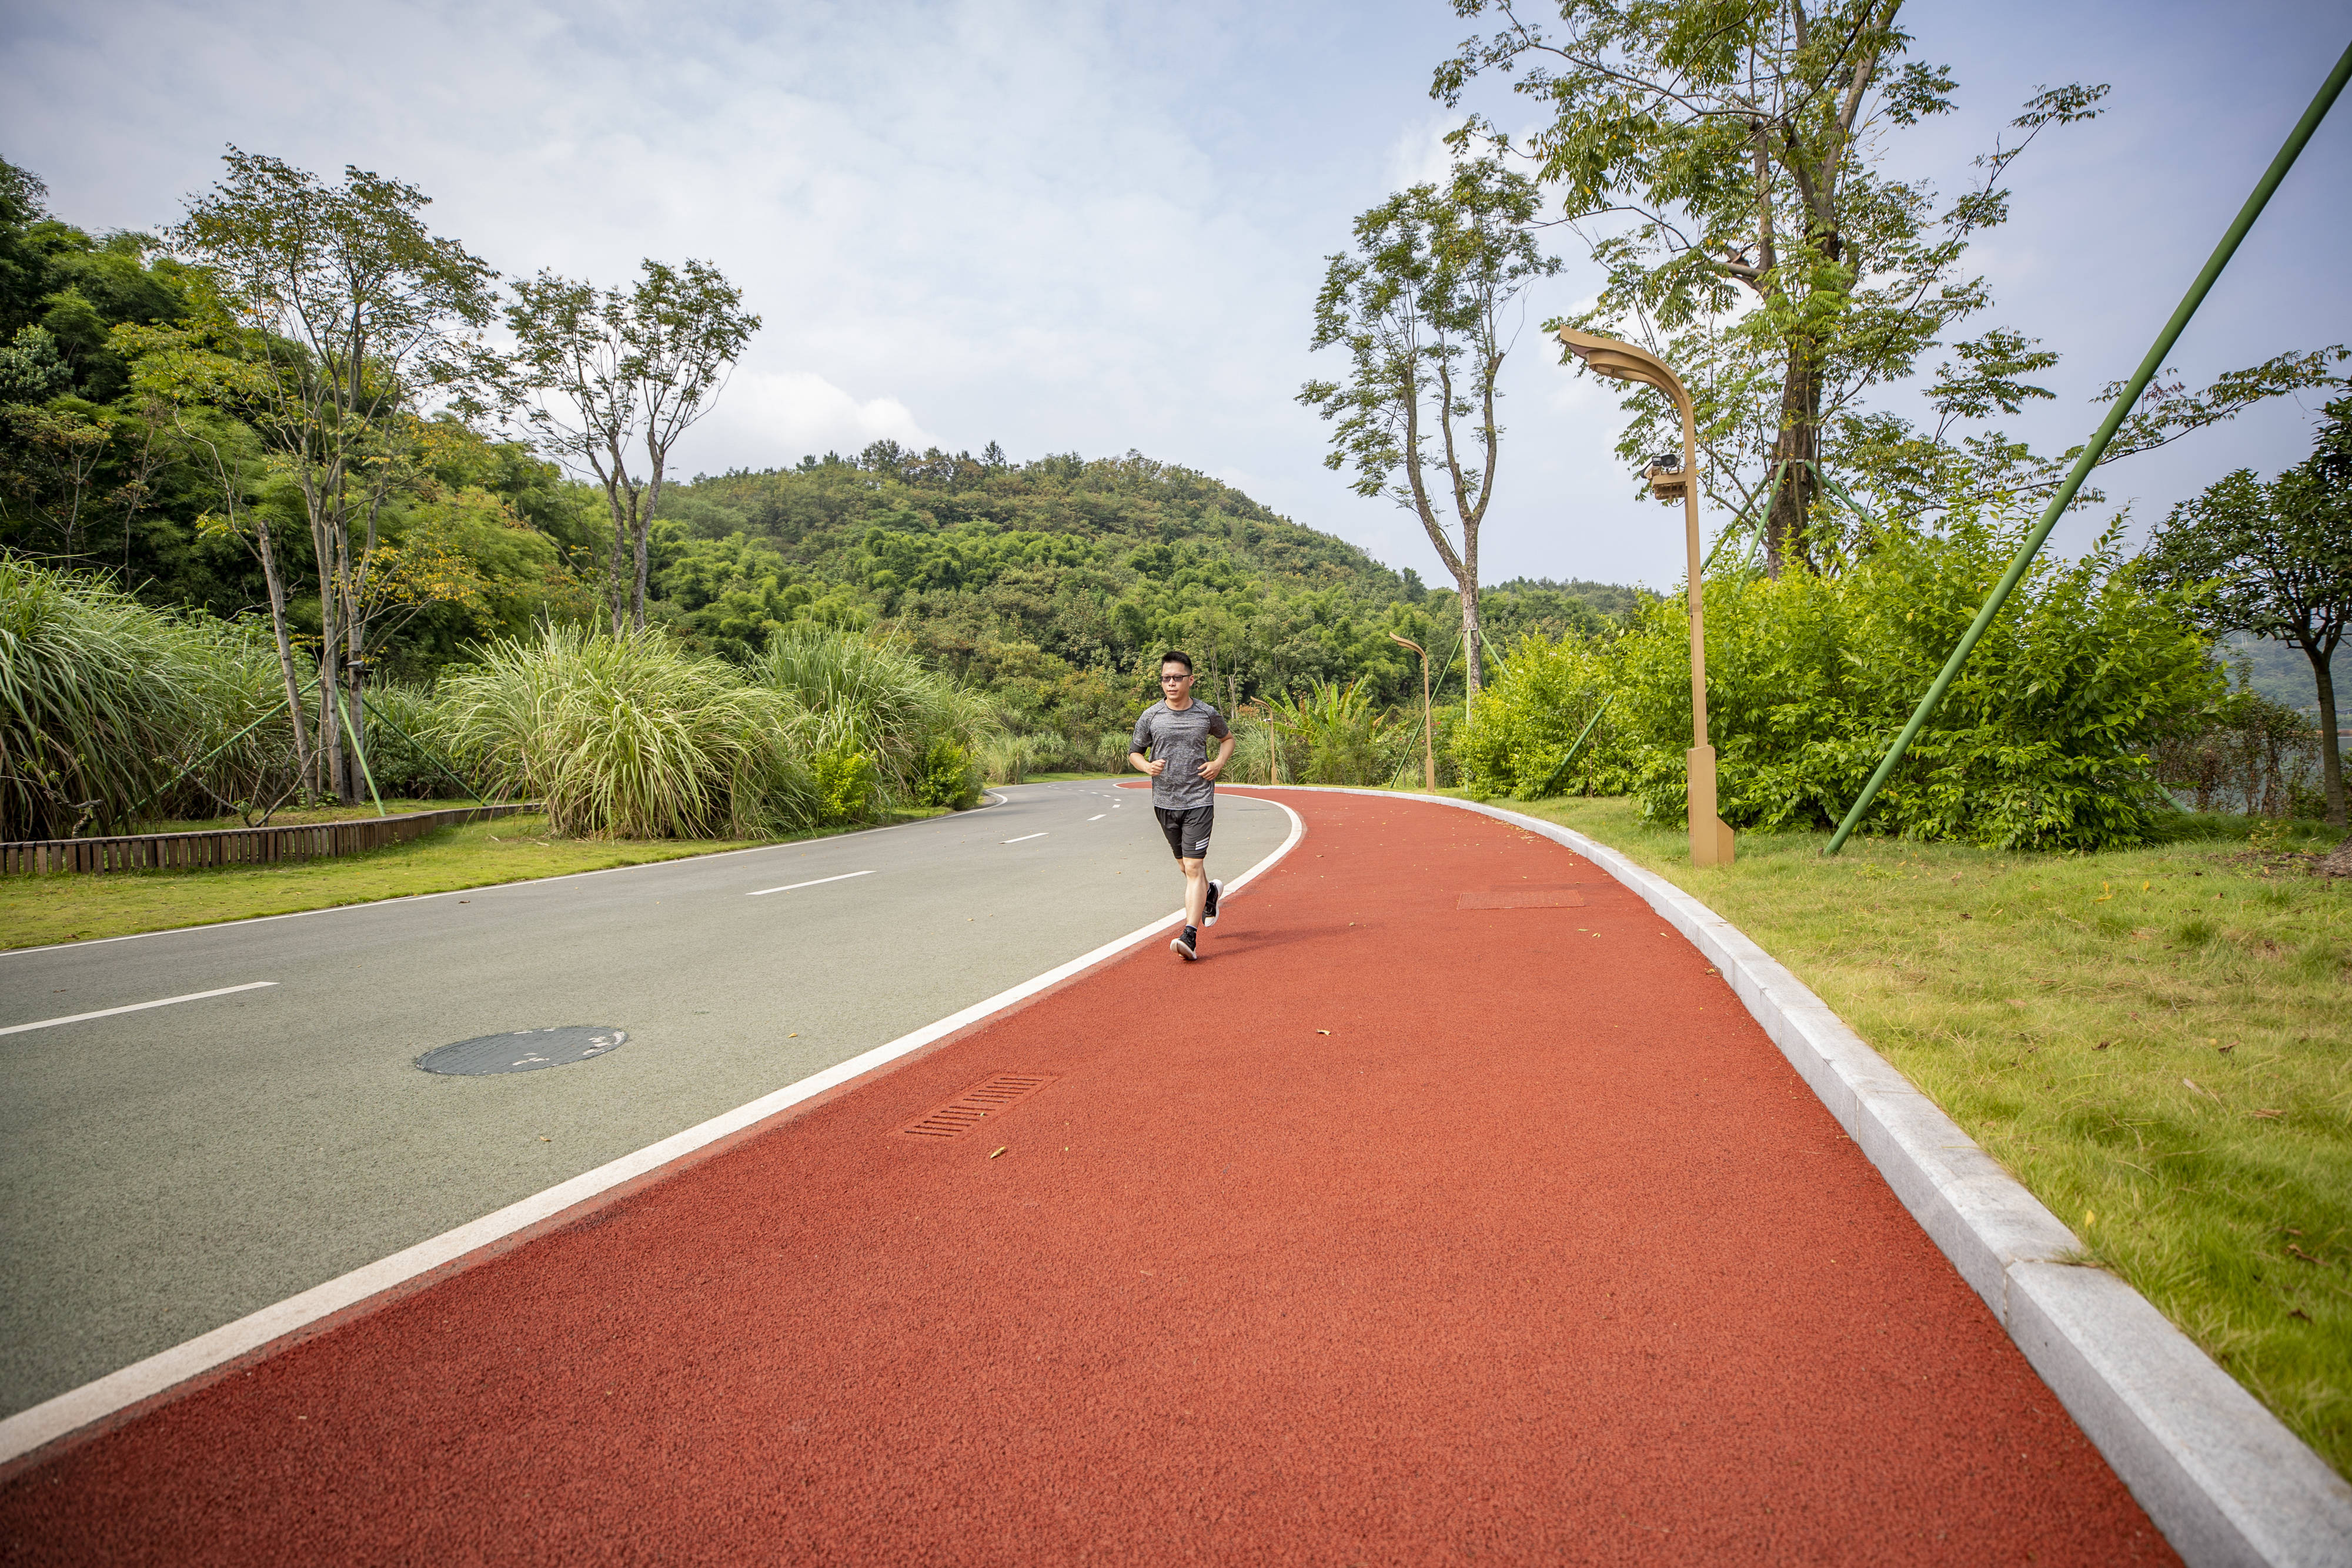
(1710, 840)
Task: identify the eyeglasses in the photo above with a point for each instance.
(1167, 680)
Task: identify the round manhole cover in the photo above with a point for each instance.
(524, 1051)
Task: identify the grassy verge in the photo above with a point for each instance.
(36, 910)
(2153, 1041)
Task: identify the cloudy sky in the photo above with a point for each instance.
(1078, 224)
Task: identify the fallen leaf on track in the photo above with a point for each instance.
(1000, 1151)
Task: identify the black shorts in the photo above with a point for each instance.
(1188, 829)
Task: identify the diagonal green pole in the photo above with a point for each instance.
(2083, 465)
(382, 717)
(1554, 777)
(359, 751)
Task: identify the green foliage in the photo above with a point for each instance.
(871, 697)
(399, 717)
(1333, 734)
(1547, 691)
(2045, 742)
(2243, 753)
(2275, 561)
(948, 777)
(1008, 759)
(628, 736)
(94, 691)
(845, 784)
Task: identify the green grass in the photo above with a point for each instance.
(2154, 1041)
(36, 910)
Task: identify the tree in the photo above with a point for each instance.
(1736, 139)
(193, 372)
(2275, 561)
(595, 372)
(1422, 307)
(348, 307)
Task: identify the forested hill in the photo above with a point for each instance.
(1051, 583)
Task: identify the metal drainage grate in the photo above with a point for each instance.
(1524, 898)
(524, 1051)
(977, 1103)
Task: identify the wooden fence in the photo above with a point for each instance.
(240, 846)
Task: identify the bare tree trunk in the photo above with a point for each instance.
(644, 530)
(334, 773)
(1472, 637)
(619, 585)
(1799, 448)
(2331, 758)
(268, 552)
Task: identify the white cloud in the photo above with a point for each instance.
(770, 418)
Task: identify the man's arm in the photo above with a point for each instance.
(1136, 742)
(1216, 764)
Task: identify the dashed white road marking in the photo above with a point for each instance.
(1097, 817)
(137, 1006)
(1026, 838)
(844, 876)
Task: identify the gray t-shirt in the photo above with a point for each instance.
(1181, 740)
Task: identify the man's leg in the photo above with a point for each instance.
(1196, 889)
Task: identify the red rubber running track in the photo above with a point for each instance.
(1541, 1254)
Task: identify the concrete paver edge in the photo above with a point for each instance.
(56, 1420)
(2222, 1477)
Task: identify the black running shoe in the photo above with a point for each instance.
(1182, 945)
(1209, 911)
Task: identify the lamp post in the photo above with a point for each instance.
(1428, 722)
(1711, 836)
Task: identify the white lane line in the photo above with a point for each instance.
(70, 1412)
(1026, 838)
(137, 1006)
(1098, 817)
(820, 881)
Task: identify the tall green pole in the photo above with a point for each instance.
(2090, 457)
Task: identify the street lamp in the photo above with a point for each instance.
(1673, 475)
(1428, 724)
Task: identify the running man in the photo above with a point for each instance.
(1175, 730)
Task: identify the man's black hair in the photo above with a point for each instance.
(1173, 657)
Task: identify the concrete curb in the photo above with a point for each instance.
(2221, 1477)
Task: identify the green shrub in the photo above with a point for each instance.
(399, 717)
(111, 711)
(872, 696)
(846, 783)
(1539, 702)
(2045, 741)
(1332, 735)
(948, 777)
(628, 736)
(1007, 758)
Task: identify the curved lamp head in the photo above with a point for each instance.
(1611, 357)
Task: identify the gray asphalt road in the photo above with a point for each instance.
(165, 1171)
